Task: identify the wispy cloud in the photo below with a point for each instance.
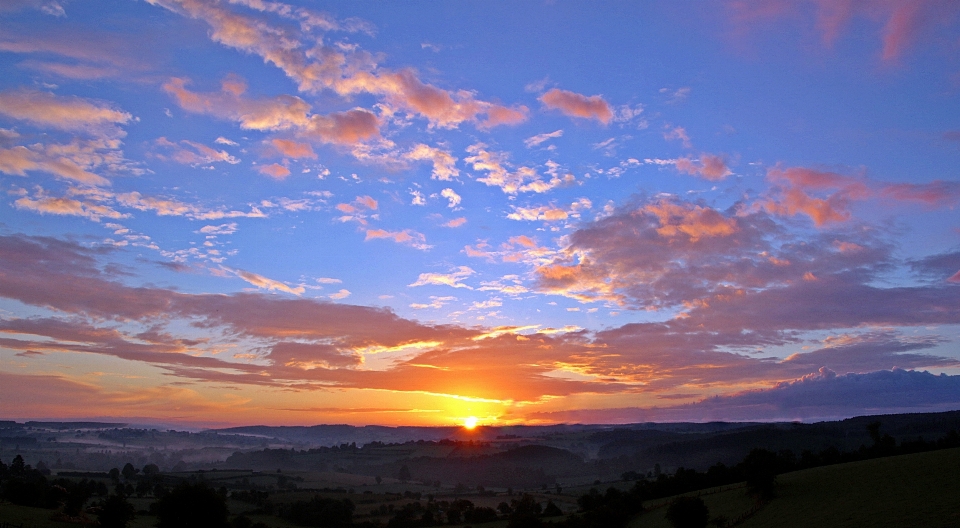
(441, 279)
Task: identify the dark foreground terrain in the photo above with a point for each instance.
(900, 470)
(918, 490)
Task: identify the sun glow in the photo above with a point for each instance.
(470, 422)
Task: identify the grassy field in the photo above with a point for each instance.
(920, 490)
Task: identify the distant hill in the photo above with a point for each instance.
(695, 450)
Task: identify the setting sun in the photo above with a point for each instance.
(470, 422)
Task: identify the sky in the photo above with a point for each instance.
(412, 213)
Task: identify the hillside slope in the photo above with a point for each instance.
(917, 490)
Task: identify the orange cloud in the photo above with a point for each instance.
(693, 221)
(577, 105)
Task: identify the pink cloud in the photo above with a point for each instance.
(267, 283)
(710, 167)
(64, 113)
(346, 128)
(937, 193)
(71, 162)
(826, 196)
(903, 23)
(72, 71)
(293, 149)
(345, 72)
(679, 133)
(406, 236)
(280, 113)
(191, 152)
(367, 202)
(577, 105)
(91, 54)
(501, 115)
(59, 205)
(444, 163)
(797, 184)
(748, 302)
(275, 171)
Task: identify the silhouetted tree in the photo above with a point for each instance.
(77, 496)
(526, 513)
(192, 506)
(404, 473)
(882, 445)
(128, 471)
(115, 512)
(17, 467)
(150, 470)
(760, 472)
(319, 511)
(551, 510)
(688, 512)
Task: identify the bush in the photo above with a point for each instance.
(760, 470)
(320, 511)
(192, 506)
(688, 512)
(115, 512)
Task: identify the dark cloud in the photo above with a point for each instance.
(820, 396)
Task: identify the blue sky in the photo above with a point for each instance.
(238, 212)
